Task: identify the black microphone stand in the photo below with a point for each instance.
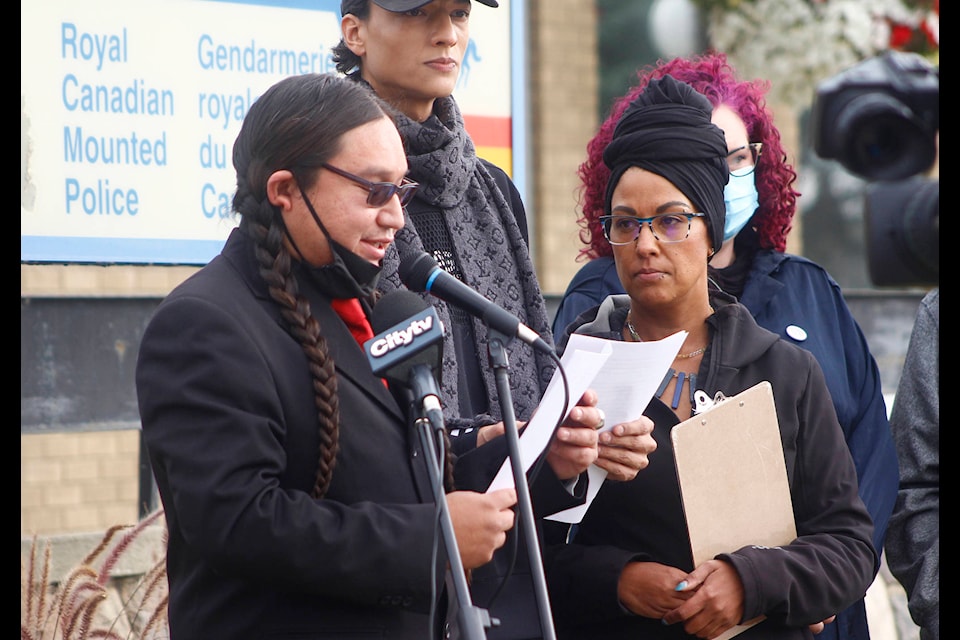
(471, 619)
(496, 343)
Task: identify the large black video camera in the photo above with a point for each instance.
(880, 119)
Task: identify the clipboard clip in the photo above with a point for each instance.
(704, 403)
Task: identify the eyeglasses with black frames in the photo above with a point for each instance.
(379, 193)
(743, 160)
(666, 227)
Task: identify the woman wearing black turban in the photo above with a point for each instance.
(628, 571)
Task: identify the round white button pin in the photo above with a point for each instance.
(796, 333)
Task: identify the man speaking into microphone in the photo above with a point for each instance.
(294, 489)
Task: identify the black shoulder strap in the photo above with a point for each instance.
(512, 195)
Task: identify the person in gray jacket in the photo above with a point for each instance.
(913, 540)
(628, 571)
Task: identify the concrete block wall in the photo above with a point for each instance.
(78, 482)
(81, 475)
(563, 102)
(98, 281)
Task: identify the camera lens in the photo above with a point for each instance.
(880, 118)
(903, 232)
(883, 139)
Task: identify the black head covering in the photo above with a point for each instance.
(667, 130)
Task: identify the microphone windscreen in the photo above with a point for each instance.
(409, 334)
(415, 270)
(394, 308)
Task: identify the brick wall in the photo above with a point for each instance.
(563, 104)
(77, 482)
(77, 477)
(59, 280)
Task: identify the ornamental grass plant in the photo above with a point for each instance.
(89, 601)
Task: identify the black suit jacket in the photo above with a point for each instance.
(230, 424)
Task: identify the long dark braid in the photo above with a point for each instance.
(275, 266)
(297, 125)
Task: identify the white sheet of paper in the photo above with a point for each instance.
(581, 367)
(625, 376)
(624, 385)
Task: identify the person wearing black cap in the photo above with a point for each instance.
(628, 570)
(468, 215)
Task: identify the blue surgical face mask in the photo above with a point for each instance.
(741, 200)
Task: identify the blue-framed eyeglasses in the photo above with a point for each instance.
(379, 193)
(743, 160)
(666, 227)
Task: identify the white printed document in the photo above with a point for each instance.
(625, 375)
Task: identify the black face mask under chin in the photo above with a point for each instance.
(348, 276)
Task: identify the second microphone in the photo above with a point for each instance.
(420, 272)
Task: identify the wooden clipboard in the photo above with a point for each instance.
(733, 478)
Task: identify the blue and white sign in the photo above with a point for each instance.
(129, 110)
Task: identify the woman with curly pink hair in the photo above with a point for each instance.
(712, 76)
(787, 294)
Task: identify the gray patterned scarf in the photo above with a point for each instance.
(488, 247)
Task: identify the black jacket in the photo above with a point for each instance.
(829, 565)
(230, 423)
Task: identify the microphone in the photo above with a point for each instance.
(422, 273)
(408, 348)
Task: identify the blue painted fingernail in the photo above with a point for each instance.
(681, 585)
(665, 623)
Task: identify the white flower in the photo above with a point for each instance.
(796, 44)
